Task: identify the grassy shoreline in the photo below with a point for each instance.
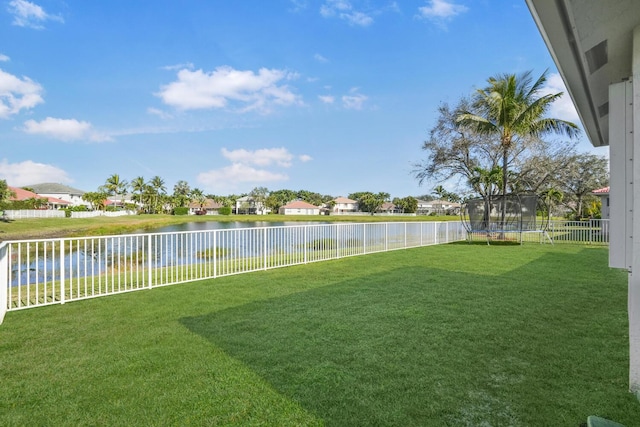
(42, 228)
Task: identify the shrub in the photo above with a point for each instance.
(181, 210)
(225, 210)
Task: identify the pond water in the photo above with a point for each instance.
(217, 225)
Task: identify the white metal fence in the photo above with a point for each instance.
(53, 271)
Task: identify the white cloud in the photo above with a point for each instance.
(298, 5)
(160, 113)
(230, 176)
(4, 58)
(187, 65)
(562, 108)
(249, 166)
(64, 130)
(327, 99)
(263, 157)
(320, 58)
(250, 91)
(27, 14)
(29, 172)
(17, 94)
(354, 101)
(440, 10)
(345, 11)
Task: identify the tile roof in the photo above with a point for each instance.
(53, 188)
(344, 200)
(208, 204)
(299, 204)
(604, 190)
(23, 194)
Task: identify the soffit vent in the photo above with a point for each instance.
(603, 110)
(597, 56)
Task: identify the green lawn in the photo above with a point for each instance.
(460, 335)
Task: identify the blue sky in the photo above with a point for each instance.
(331, 96)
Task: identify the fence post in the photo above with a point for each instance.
(4, 281)
(215, 253)
(149, 265)
(264, 247)
(405, 235)
(62, 272)
(364, 238)
(305, 246)
(338, 241)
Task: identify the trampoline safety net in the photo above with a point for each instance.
(517, 213)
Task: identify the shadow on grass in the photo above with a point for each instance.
(422, 346)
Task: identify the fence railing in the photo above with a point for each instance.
(54, 271)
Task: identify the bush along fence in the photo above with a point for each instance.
(54, 271)
(34, 273)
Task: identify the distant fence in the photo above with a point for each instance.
(33, 213)
(52, 213)
(91, 214)
(54, 271)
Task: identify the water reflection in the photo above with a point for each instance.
(218, 225)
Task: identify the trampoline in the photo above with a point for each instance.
(507, 217)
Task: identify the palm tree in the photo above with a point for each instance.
(181, 193)
(137, 188)
(198, 196)
(116, 186)
(440, 192)
(511, 108)
(157, 184)
(552, 196)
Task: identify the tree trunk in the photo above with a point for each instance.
(505, 158)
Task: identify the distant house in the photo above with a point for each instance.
(344, 205)
(49, 202)
(438, 207)
(299, 207)
(389, 208)
(61, 192)
(248, 205)
(423, 207)
(603, 193)
(209, 207)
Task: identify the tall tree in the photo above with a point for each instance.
(97, 199)
(157, 185)
(181, 193)
(587, 172)
(368, 201)
(279, 198)
(198, 197)
(138, 187)
(5, 193)
(456, 151)
(259, 196)
(512, 107)
(116, 186)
